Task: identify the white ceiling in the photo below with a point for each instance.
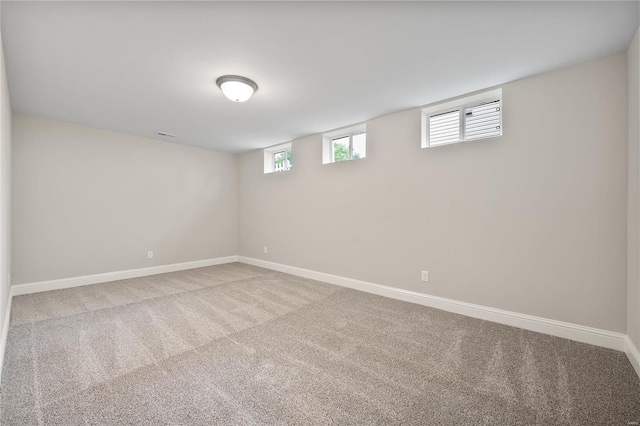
(145, 67)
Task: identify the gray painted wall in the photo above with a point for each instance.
(533, 222)
(633, 212)
(89, 201)
(5, 190)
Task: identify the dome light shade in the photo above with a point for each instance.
(236, 88)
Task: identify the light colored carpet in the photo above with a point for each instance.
(236, 344)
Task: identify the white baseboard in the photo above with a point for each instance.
(633, 354)
(594, 336)
(5, 331)
(37, 287)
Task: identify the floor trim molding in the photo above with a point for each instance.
(5, 330)
(633, 354)
(594, 336)
(37, 287)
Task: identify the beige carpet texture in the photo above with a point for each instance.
(237, 344)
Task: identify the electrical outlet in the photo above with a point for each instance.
(149, 255)
(265, 249)
(425, 276)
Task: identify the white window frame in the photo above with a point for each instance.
(269, 158)
(460, 104)
(328, 138)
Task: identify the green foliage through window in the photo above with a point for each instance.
(282, 161)
(341, 152)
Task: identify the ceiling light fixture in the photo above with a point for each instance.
(236, 88)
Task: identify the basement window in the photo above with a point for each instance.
(278, 158)
(462, 120)
(345, 144)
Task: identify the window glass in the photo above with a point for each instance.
(444, 128)
(340, 148)
(359, 146)
(482, 121)
(279, 161)
(477, 116)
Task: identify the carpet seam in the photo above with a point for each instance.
(195, 348)
(124, 304)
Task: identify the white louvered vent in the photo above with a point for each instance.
(482, 121)
(444, 128)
